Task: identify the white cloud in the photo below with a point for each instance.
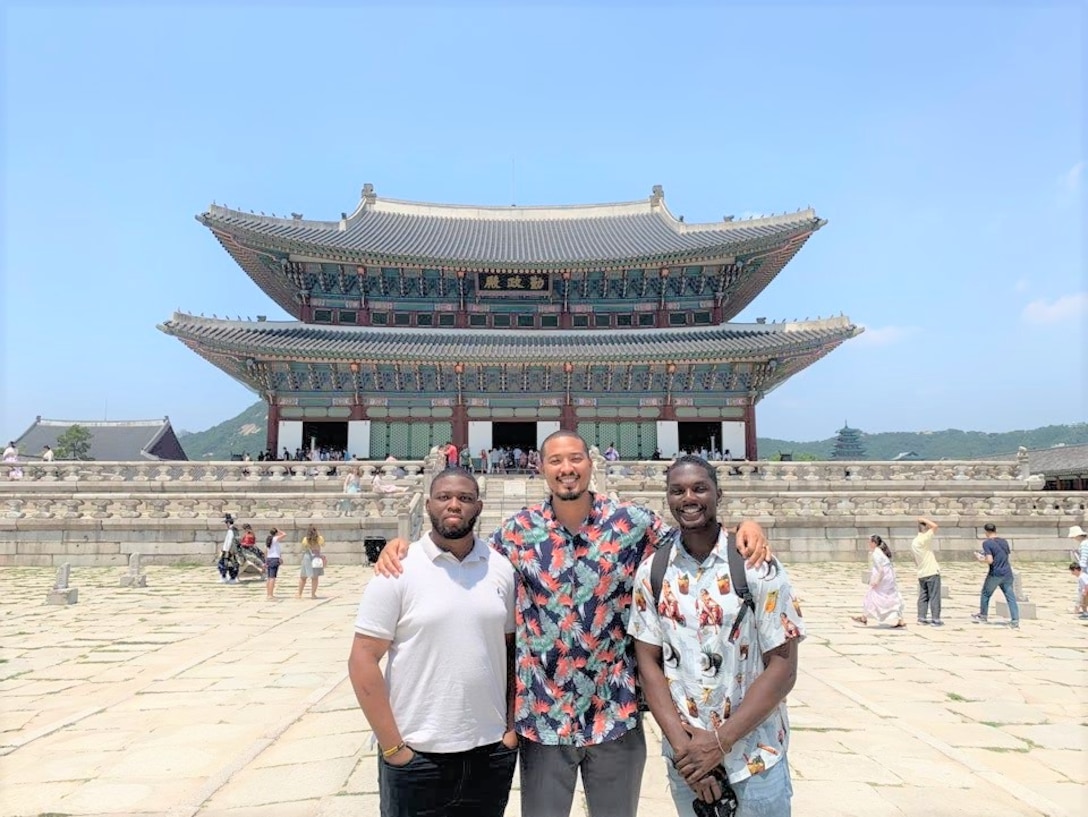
(1060, 310)
(884, 335)
(1069, 181)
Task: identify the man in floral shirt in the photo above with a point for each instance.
(716, 686)
(575, 558)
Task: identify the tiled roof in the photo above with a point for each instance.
(111, 440)
(1064, 459)
(583, 234)
(294, 340)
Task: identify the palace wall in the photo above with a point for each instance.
(98, 513)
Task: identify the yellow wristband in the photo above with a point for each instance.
(387, 753)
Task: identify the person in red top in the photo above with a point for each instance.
(451, 455)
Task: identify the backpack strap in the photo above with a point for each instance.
(739, 579)
(658, 567)
(737, 574)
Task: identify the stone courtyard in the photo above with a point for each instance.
(188, 698)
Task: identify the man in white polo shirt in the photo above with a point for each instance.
(443, 713)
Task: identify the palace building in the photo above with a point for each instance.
(418, 323)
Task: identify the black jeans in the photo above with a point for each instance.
(455, 784)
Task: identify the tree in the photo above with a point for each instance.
(848, 444)
(74, 444)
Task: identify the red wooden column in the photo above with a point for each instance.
(750, 431)
(568, 420)
(460, 425)
(272, 433)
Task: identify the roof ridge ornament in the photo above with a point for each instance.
(657, 196)
(369, 196)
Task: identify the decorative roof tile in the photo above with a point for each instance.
(300, 341)
(578, 234)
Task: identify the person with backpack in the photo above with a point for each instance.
(716, 648)
(577, 709)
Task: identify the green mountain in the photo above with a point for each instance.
(246, 432)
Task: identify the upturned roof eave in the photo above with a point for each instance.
(793, 224)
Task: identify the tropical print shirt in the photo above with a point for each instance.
(708, 666)
(575, 665)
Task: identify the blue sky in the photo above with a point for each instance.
(944, 145)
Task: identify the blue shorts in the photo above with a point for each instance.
(273, 565)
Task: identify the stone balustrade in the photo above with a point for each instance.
(98, 513)
(185, 476)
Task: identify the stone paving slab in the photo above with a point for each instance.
(189, 698)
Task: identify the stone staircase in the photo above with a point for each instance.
(504, 495)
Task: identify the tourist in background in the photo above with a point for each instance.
(996, 553)
(11, 456)
(720, 700)
(1081, 577)
(313, 561)
(929, 573)
(228, 559)
(351, 488)
(47, 454)
(883, 602)
(485, 461)
(443, 713)
(1080, 540)
(274, 559)
(382, 487)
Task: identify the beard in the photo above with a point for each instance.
(565, 494)
(453, 530)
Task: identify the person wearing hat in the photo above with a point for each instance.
(1078, 534)
(228, 560)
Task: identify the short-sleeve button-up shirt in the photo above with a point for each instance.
(708, 674)
(575, 665)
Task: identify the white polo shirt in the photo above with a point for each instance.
(446, 667)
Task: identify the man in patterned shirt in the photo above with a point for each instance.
(575, 557)
(717, 686)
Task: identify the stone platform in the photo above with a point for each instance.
(189, 698)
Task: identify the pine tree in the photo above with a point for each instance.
(74, 444)
(848, 444)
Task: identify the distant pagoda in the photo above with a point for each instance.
(848, 444)
(419, 323)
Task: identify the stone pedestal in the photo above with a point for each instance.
(135, 576)
(68, 595)
(61, 592)
(1027, 608)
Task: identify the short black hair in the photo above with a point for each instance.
(564, 432)
(990, 527)
(693, 459)
(456, 471)
(1074, 566)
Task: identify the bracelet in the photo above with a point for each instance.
(717, 738)
(388, 753)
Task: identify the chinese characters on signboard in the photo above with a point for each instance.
(507, 283)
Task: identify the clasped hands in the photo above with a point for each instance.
(696, 758)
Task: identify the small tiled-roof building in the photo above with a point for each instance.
(111, 440)
(1064, 467)
(419, 323)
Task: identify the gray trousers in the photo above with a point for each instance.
(929, 596)
(611, 776)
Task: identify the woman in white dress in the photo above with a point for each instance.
(883, 602)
